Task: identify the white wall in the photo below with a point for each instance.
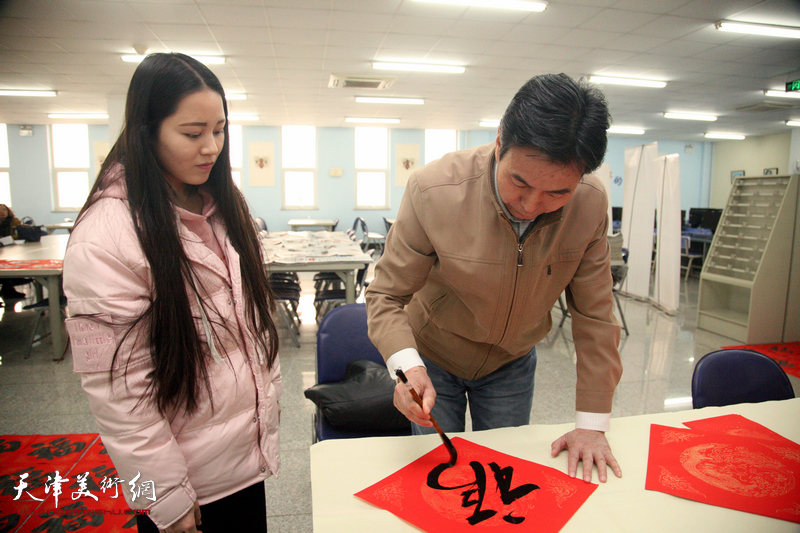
(752, 155)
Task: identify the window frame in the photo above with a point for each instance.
(378, 170)
(5, 184)
(285, 206)
(56, 170)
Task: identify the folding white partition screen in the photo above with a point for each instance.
(604, 173)
(668, 234)
(638, 216)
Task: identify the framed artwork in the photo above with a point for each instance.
(771, 171)
(736, 174)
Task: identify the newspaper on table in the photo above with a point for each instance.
(291, 247)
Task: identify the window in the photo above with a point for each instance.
(299, 162)
(71, 165)
(438, 143)
(235, 143)
(5, 181)
(372, 157)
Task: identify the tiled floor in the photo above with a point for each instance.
(40, 396)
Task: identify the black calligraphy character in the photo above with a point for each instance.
(480, 488)
(8, 446)
(56, 448)
(502, 477)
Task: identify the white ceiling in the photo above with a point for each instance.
(283, 52)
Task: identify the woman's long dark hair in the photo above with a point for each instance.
(179, 356)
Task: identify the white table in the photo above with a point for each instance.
(51, 248)
(316, 252)
(340, 468)
(299, 224)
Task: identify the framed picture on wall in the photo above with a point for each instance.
(736, 174)
(771, 171)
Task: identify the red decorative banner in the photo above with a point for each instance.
(29, 264)
(485, 490)
(728, 461)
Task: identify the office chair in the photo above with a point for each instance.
(727, 377)
(40, 308)
(686, 252)
(342, 338)
(260, 224)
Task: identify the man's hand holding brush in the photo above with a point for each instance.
(418, 378)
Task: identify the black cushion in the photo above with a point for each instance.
(362, 400)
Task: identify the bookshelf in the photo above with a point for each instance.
(750, 283)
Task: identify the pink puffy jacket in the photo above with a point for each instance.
(202, 457)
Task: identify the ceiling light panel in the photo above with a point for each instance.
(634, 82)
(418, 67)
(388, 100)
(690, 116)
(519, 5)
(728, 136)
(24, 92)
(768, 30)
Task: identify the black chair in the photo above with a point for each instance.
(327, 296)
(40, 308)
(260, 224)
(286, 290)
(342, 338)
(731, 376)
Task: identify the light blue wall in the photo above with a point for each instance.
(30, 173)
(695, 168)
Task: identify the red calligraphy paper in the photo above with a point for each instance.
(730, 462)
(485, 490)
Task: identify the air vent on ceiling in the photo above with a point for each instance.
(764, 106)
(339, 81)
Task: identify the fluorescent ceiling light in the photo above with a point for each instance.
(729, 136)
(691, 116)
(79, 115)
(242, 117)
(419, 67)
(759, 29)
(635, 82)
(206, 60)
(373, 120)
(235, 96)
(626, 130)
(489, 123)
(388, 100)
(521, 5)
(782, 94)
(25, 92)
(794, 123)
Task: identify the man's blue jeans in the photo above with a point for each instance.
(501, 399)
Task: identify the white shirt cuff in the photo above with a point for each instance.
(405, 359)
(595, 421)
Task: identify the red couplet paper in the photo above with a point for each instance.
(728, 461)
(485, 490)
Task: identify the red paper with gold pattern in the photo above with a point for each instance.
(730, 462)
(485, 490)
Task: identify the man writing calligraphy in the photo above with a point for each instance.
(485, 241)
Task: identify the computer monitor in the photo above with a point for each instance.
(695, 217)
(711, 219)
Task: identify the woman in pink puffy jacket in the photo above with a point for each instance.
(169, 305)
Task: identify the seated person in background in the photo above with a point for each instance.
(8, 227)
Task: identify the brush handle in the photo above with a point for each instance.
(419, 402)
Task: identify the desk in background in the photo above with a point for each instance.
(340, 468)
(322, 251)
(299, 224)
(50, 228)
(43, 259)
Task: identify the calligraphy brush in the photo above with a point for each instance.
(445, 438)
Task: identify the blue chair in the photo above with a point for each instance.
(342, 338)
(727, 377)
